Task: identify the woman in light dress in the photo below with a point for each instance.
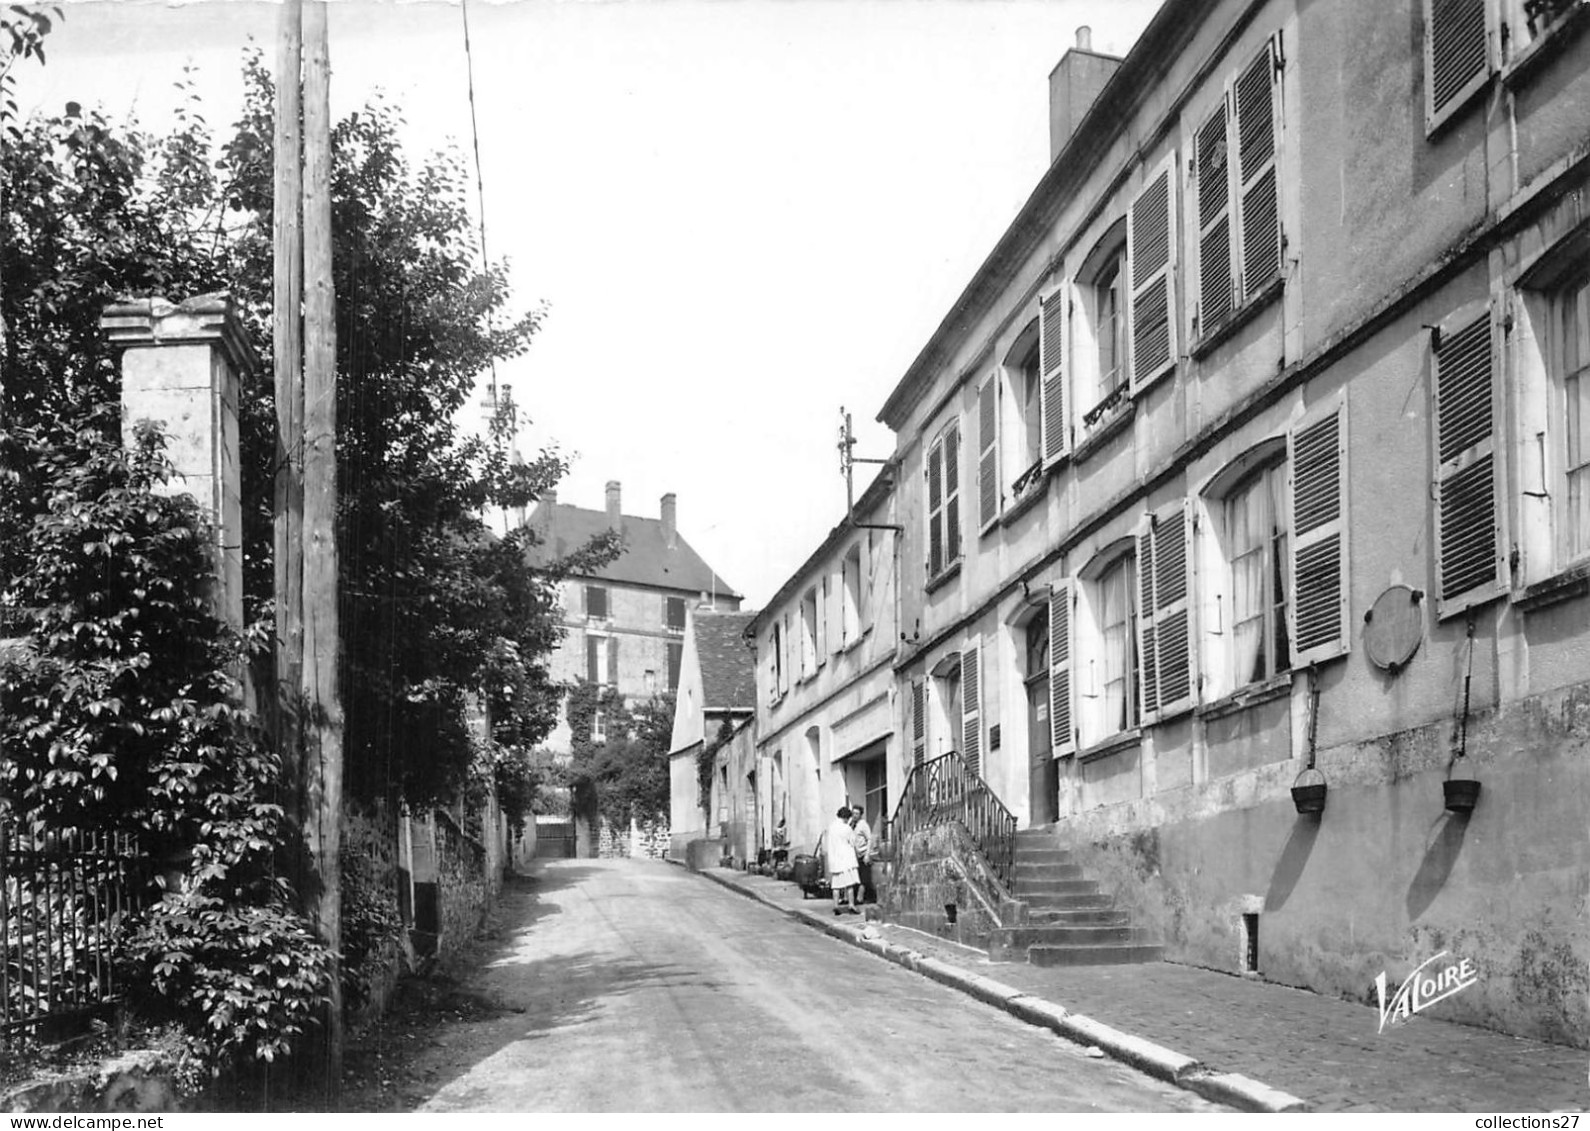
(844, 873)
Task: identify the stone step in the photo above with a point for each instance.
(1026, 870)
(1027, 888)
(1070, 902)
(1009, 944)
(1078, 917)
(1042, 856)
(1109, 954)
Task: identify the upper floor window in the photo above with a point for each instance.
(596, 602)
(1572, 371)
(1098, 329)
(601, 659)
(810, 655)
(676, 652)
(1456, 55)
(944, 501)
(1024, 464)
(674, 614)
(850, 596)
(776, 685)
(989, 487)
(1235, 193)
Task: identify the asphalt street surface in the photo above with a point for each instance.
(635, 986)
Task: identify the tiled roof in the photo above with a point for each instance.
(646, 560)
(728, 670)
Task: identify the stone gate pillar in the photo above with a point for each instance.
(182, 367)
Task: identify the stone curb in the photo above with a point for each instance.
(1230, 1088)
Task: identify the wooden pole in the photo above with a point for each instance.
(323, 732)
(287, 352)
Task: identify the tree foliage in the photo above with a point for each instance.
(625, 774)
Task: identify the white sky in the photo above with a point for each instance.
(744, 213)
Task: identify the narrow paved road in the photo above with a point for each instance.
(635, 986)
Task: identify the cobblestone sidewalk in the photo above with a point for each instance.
(1323, 1050)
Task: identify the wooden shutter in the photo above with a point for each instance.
(1051, 389)
(1456, 55)
(988, 453)
(1212, 173)
(675, 654)
(1150, 253)
(1174, 657)
(1469, 536)
(918, 723)
(1147, 648)
(1316, 451)
(822, 622)
(971, 707)
(935, 478)
(592, 643)
(612, 661)
(952, 495)
(1254, 101)
(1062, 727)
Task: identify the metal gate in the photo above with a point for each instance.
(555, 840)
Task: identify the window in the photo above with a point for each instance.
(944, 501)
(1025, 383)
(989, 494)
(650, 681)
(1457, 59)
(1164, 622)
(1052, 391)
(674, 614)
(1525, 23)
(1235, 191)
(596, 602)
(775, 663)
(1109, 691)
(1571, 342)
(1150, 262)
(676, 652)
(1245, 580)
(601, 660)
(1470, 539)
(599, 726)
(1099, 351)
(850, 596)
(809, 652)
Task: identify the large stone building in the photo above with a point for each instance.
(623, 623)
(1252, 457)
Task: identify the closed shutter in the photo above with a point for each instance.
(1317, 459)
(612, 661)
(1147, 651)
(1174, 659)
(1051, 390)
(1456, 55)
(592, 645)
(1212, 173)
(822, 623)
(1469, 537)
(675, 654)
(1254, 100)
(1062, 727)
(1150, 252)
(952, 495)
(988, 453)
(918, 723)
(935, 478)
(971, 707)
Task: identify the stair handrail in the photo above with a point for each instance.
(947, 790)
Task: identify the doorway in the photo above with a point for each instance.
(1043, 774)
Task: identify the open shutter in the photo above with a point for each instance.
(971, 707)
(1469, 537)
(1456, 55)
(1063, 729)
(935, 490)
(1150, 252)
(952, 495)
(822, 622)
(1212, 173)
(918, 723)
(1174, 661)
(1051, 359)
(592, 643)
(1255, 100)
(612, 660)
(1317, 459)
(1147, 649)
(988, 453)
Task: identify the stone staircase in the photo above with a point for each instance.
(1070, 922)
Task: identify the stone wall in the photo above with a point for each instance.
(465, 887)
(650, 837)
(927, 871)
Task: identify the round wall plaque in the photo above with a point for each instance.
(1394, 627)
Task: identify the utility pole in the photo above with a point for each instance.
(308, 641)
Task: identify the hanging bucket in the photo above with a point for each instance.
(1460, 793)
(1308, 792)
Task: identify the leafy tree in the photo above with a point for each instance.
(626, 774)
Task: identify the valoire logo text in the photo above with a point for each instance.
(1424, 987)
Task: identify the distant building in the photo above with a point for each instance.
(717, 688)
(624, 624)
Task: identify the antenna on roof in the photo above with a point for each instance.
(847, 461)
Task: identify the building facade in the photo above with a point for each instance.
(716, 698)
(1253, 456)
(825, 689)
(623, 623)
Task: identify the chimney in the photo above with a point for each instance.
(670, 515)
(1073, 85)
(615, 517)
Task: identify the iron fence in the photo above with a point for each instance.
(947, 790)
(64, 894)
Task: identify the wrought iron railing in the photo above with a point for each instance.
(63, 897)
(948, 791)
